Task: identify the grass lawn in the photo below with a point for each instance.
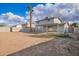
(49, 35)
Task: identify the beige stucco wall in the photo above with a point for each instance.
(45, 22)
(53, 28)
(56, 20)
(7, 29)
(33, 25)
(4, 29)
(51, 21)
(16, 29)
(60, 28)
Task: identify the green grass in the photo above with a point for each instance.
(52, 35)
(59, 35)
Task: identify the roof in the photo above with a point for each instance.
(46, 18)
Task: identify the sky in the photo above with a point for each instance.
(16, 8)
(16, 13)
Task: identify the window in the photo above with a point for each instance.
(38, 22)
(48, 19)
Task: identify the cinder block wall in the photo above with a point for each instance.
(4, 29)
(7, 29)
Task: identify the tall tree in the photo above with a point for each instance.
(30, 14)
(74, 24)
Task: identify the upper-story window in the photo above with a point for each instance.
(48, 19)
(38, 22)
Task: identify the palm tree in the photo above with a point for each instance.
(30, 14)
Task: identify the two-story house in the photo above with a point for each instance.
(54, 24)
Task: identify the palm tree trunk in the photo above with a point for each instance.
(30, 21)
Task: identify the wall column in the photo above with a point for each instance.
(57, 28)
(46, 28)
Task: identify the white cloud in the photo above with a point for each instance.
(66, 11)
(10, 18)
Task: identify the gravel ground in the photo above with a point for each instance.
(55, 47)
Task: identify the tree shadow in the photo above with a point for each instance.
(53, 47)
(36, 50)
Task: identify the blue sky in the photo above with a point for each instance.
(13, 9)
(16, 8)
(15, 13)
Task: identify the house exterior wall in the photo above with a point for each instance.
(16, 29)
(44, 22)
(19, 26)
(53, 24)
(27, 25)
(39, 29)
(56, 20)
(50, 21)
(24, 25)
(60, 28)
(52, 28)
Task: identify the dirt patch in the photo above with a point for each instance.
(11, 42)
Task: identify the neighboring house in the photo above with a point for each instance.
(27, 25)
(75, 29)
(53, 24)
(19, 26)
(24, 25)
(70, 28)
